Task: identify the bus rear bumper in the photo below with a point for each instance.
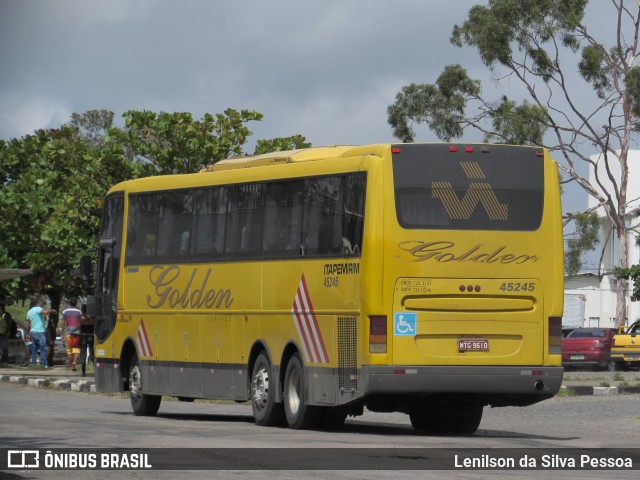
(499, 385)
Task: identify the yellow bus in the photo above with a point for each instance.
(420, 278)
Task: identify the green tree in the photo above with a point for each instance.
(170, 143)
(52, 189)
(584, 239)
(630, 273)
(540, 44)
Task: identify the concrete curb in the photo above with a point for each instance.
(582, 390)
(80, 385)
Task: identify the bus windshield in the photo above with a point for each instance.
(475, 187)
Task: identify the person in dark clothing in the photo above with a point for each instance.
(86, 341)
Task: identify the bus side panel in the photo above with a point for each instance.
(188, 339)
(307, 304)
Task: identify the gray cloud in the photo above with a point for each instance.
(325, 69)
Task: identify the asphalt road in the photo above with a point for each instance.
(41, 418)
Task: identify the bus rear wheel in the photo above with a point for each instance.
(266, 411)
(299, 414)
(468, 419)
(142, 403)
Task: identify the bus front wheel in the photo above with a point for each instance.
(266, 411)
(299, 414)
(142, 403)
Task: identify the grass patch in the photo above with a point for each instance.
(565, 392)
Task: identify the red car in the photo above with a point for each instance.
(588, 347)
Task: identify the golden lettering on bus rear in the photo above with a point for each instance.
(166, 292)
(444, 252)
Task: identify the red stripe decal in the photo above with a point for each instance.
(307, 326)
(143, 341)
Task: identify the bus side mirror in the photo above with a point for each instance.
(86, 271)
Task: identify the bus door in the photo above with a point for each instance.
(105, 301)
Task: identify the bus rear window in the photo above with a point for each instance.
(479, 187)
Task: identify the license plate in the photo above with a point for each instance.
(633, 356)
(577, 357)
(473, 344)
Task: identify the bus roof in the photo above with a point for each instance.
(268, 159)
(278, 158)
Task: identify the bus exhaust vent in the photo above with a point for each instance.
(347, 354)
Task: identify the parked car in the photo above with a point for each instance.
(588, 347)
(625, 352)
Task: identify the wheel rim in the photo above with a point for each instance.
(293, 391)
(260, 386)
(134, 382)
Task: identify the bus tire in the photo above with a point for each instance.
(468, 420)
(142, 403)
(299, 414)
(266, 411)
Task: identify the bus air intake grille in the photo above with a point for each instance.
(347, 354)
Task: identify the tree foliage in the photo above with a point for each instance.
(630, 273)
(585, 238)
(171, 143)
(52, 188)
(545, 47)
(281, 144)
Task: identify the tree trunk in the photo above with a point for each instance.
(623, 262)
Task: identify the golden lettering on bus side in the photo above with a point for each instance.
(444, 251)
(163, 279)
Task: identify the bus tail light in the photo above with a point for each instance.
(555, 335)
(378, 334)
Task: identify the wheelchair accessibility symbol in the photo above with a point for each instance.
(404, 324)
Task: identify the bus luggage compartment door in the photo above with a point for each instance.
(467, 322)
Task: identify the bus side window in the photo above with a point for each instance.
(209, 228)
(353, 215)
(323, 212)
(245, 217)
(176, 216)
(282, 221)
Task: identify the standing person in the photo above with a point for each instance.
(86, 342)
(71, 331)
(37, 325)
(5, 332)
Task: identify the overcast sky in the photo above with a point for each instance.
(326, 69)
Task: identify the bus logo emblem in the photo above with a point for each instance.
(478, 192)
(307, 326)
(405, 324)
